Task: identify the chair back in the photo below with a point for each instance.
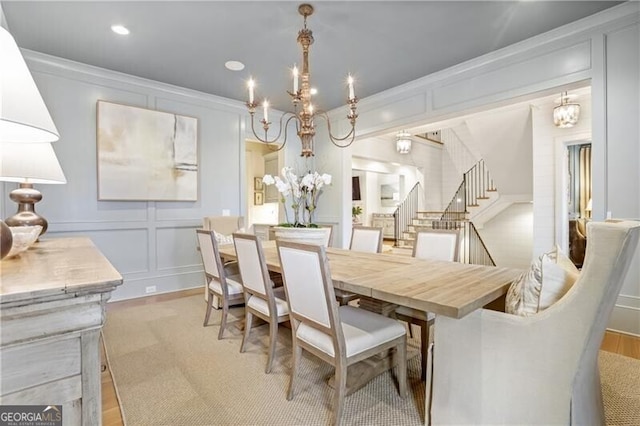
(225, 225)
(253, 268)
(437, 244)
(211, 260)
(328, 242)
(210, 254)
(308, 285)
(367, 239)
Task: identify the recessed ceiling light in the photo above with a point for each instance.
(120, 29)
(234, 65)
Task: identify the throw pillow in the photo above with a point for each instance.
(548, 279)
(225, 239)
(558, 275)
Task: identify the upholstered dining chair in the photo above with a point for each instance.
(227, 290)
(365, 239)
(435, 244)
(490, 367)
(223, 226)
(338, 335)
(261, 299)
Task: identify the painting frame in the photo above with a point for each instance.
(145, 154)
(258, 198)
(258, 185)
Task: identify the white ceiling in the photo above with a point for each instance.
(383, 44)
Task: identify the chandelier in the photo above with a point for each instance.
(566, 114)
(304, 111)
(403, 142)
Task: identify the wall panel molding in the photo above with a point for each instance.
(151, 243)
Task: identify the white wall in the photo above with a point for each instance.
(376, 173)
(504, 142)
(509, 236)
(150, 243)
(623, 156)
(548, 143)
(602, 49)
(425, 157)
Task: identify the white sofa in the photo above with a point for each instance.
(494, 368)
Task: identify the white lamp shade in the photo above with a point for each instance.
(29, 163)
(23, 115)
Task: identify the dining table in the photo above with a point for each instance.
(452, 289)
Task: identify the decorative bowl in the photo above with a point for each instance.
(23, 238)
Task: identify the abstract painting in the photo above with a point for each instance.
(389, 195)
(145, 154)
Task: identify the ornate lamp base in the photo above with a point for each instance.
(6, 240)
(26, 197)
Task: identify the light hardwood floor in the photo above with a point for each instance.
(618, 343)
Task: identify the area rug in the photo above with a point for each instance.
(169, 370)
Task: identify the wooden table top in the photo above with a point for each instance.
(56, 267)
(445, 288)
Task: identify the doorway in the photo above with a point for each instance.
(579, 202)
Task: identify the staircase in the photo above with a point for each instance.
(475, 194)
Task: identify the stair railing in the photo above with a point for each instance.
(477, 252)
(406, 211)
(457, 208)
(478, 182)
(472, 248)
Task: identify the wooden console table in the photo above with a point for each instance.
(52, 307)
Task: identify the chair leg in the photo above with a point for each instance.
(248, 319)
(223, 321)
(424, 347)
(341, 391)
(273, 338)
(401, 353)
(297, 356)
(209, 306)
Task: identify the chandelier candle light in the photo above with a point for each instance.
(304, 111)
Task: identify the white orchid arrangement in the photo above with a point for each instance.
(302, 193)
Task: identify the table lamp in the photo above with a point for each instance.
(28, 163)
(23, 115)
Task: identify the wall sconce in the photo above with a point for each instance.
(28, 163)
(403, 142)
(566, 114)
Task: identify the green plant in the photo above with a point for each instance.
(356, 211)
